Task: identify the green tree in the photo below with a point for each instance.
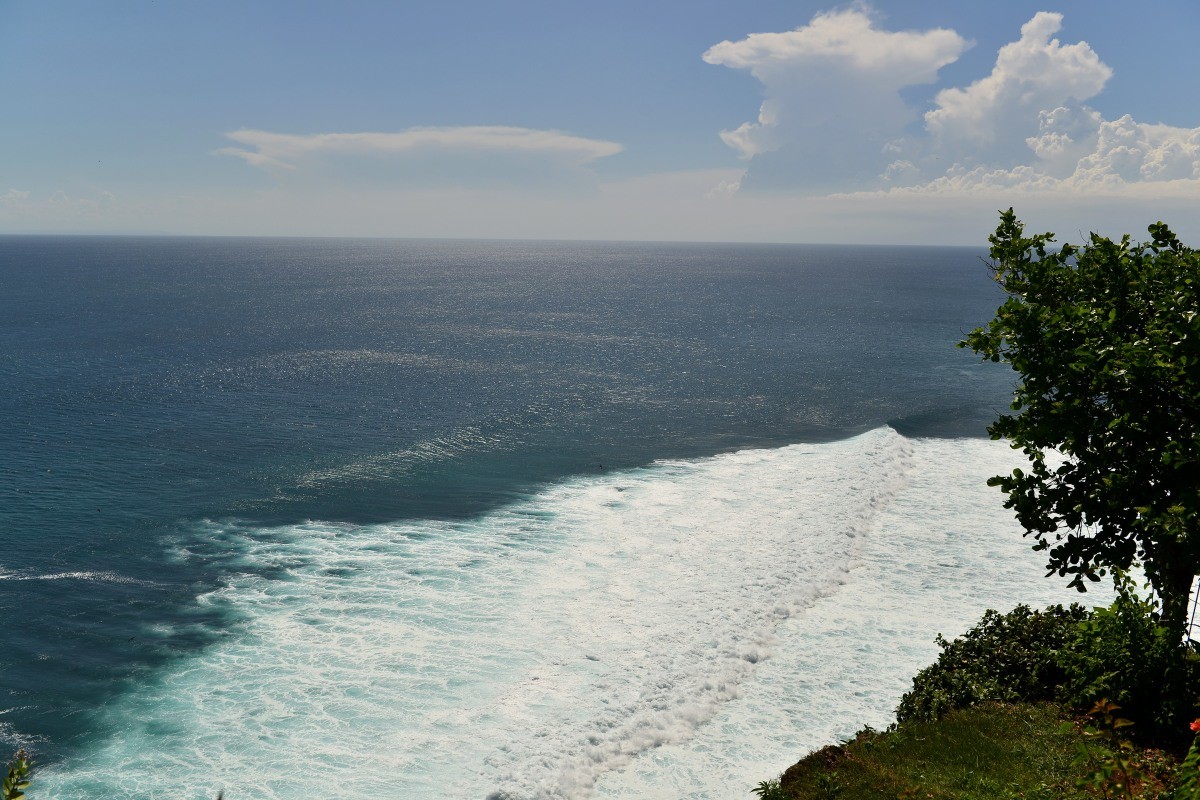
(1106, 340)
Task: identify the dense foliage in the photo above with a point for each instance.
(953, 740)
(1106, 340)
(1124, 654)
(1070, 655)
(1006, 657)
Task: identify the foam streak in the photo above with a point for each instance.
(525, 654)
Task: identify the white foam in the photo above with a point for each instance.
(407, 461)
(686, 629)
(98, 577)
(937, 557)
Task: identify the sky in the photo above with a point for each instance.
(885, 122)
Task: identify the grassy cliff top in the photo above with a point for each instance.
(992, 751)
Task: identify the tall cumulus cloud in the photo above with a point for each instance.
(832, 95)
(834, 118)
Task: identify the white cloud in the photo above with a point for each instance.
(1127, 151)
(1064, 135)
(832, 94)
(282, 150)
(899, 172)
(1024, 128)
(14, 199)
(725, 188)
(991, 119)
(847, 157)
(848, 38)
(1114, 157)
(833, 121)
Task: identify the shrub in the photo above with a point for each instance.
(1006, 657)
(16, 778)
(1125, 654)
(1189, 770)
(769, 790)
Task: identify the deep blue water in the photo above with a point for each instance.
(151, 384)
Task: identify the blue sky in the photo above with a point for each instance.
(749, 121)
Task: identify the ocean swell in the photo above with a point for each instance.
(522, 654)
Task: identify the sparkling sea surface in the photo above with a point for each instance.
(482, 518)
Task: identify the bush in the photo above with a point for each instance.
(16, 777)
(1006, 657)
(1125, 654)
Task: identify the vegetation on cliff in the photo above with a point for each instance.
(1019, 707)
(1105, 338)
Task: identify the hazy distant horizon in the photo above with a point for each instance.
(792, 122)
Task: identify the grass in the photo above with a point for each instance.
(987, 752)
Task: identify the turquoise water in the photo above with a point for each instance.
(453, 518)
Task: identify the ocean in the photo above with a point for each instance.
(483, 519)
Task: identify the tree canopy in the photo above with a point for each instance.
(1106, 340)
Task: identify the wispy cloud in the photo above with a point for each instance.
(13, 199)
(267, 150)
(21, 202)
